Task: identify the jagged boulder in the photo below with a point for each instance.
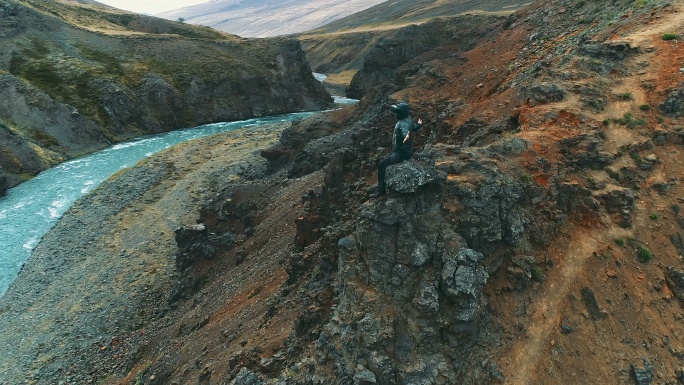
(675, 281)
(619, 203)
(643, 376)
(491, 203)
(585, 151)
(613, 50)
(246, 377)
(674, 105)
(462, 280)
(196, 242)
(408, 177)
(545, 93)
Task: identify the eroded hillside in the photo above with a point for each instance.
(345, 46)
(76, 77)
(535, 238)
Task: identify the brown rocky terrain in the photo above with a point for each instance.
(76, 77)
(535, 238)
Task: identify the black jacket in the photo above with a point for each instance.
(403, 127)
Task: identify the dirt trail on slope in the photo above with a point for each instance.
(546, 314)
(528, 355)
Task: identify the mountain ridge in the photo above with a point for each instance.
(253, 18)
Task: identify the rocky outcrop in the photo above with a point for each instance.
(613, 50)
(675, 281)
(408, 287)
(673, 106)
(196, 242)
(71, 91)
(544, 93)
(585, 151)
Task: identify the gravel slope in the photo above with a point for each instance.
(115, 248)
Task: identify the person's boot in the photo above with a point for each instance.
(378, 192)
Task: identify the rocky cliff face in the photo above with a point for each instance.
(72, 90)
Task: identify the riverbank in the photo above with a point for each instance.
(116, 248)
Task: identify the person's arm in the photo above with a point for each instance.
(415, 127)
(406, 131)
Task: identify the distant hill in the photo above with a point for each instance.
(401, 12)
(261, 18)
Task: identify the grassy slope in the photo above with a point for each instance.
(129, 75)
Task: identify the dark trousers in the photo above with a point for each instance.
(391, 159)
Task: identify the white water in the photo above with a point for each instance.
(29, 210)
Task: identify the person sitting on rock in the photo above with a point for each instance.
(402, 142)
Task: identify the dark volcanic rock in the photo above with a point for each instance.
(619, 202)
(675, 281)
(545, 93)
(408, 177)
(492, 213)
(197, 242)
(462, 280)
(246, 377)
(591, 303)
(674, 105)
(408, 287)
(613, 50)
(585, 151)
(643, 376)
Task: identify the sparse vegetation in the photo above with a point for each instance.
(625, 96)
(526, 178)
(645, 255)
(632, 242)
(619, 241)
(645, 107)
(111, 63)
(654, 216)
(43, 138)
(635, 156)
(669, 36)
(537, 274)
(628, 120)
